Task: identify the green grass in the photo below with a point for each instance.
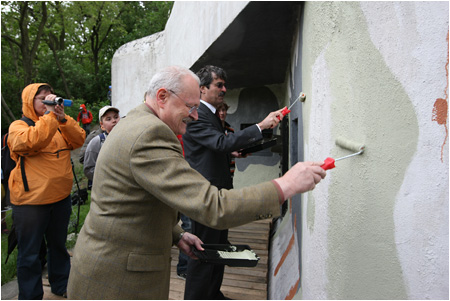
(9, 270)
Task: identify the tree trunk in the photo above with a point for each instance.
(61, 72)
(57, 44)
(29, 54)
(60, 68)
(6, 112)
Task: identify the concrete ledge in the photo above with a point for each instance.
(10, 290)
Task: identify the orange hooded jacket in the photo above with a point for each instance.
(46, 153)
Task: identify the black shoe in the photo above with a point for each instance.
(182, 276)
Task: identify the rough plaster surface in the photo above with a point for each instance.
(377, 70)
(421, 208)
(316, 203)
(132, 69)
(192, 27)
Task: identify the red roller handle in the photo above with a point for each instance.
(329, 164)
(284, 112)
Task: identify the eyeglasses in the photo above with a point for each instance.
(220, 85)
(191, 108)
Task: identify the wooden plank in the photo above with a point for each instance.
(247, 294)
(244, 284)
(240, 296)
(259, 273)
(249, 278)
(176, 295)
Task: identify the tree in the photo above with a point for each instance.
(22, 28)
(31, 20)
(57, 42)
(70, 44)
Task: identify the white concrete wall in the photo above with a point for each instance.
(192, 27)
(377, 226)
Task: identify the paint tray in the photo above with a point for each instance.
(231, 255)
(258, 146)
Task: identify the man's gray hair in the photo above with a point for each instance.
(170, 78)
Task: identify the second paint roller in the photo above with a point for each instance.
(355, 147)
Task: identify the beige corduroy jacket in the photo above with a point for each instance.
(141, 182)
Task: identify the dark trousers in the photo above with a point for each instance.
(33, 223)
(203, 279)
(87, 128)
(183, 258)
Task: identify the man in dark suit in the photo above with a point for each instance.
(208, 150)
(142, 182)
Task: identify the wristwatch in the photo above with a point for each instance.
(179, 237)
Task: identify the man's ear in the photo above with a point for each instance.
(202, 89)
(161, 97)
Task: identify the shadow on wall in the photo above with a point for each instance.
(254, 104)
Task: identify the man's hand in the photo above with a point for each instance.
(237, 154)
(271, 120)
(188, 241)
(302, 177)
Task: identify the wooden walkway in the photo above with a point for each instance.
(238, 283)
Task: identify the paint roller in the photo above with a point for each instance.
(355, 147)
(286, 110)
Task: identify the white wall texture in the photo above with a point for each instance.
(377, 227)
(192, 27)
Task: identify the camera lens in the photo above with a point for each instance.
(59, 100)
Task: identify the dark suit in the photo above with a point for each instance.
(141, 181)
(208, 150)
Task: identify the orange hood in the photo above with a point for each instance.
(28, 95)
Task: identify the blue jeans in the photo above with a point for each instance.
(33, 223)
(183, 258)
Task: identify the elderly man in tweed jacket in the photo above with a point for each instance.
(142, 181)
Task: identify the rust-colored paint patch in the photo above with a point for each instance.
(288, 249)
(293, 290)
(440, 108)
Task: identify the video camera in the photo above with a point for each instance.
(59, 101)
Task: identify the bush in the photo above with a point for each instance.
(9, 271)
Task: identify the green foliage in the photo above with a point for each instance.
(9, 269)
(74, 49)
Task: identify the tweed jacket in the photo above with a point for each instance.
(208, 149)
(141, 182)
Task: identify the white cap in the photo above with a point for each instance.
(106, 109)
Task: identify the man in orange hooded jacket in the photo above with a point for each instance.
(43, 207)
(86, 118)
